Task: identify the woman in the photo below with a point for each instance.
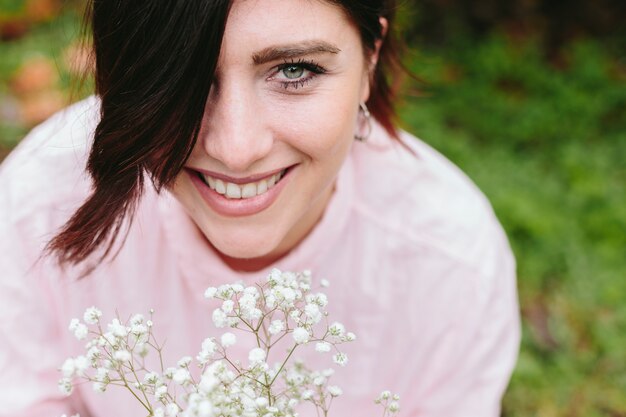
(229, 139)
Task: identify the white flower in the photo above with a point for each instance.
(171, 410)
(256, 355)
(276, 327)
(350, 337)
(328, 372)
(385, 395)
(319, 380)
(261, 402)
(160, 392)
(102, 374)
(219, 318)
(136, 319)
(307, 394)
(395, 397)
(81, 364)
(80, 331)
(322, 347)
(184, 362)
(228, 339)
(73, 324)
(336, 329)
(340, 359)
(92, 315)
(117, 328)
(122, 355)
(68, 368)
(181, 376)
(138, 329)
(151, 378)
(324, 283)
(334, 391)
(394, 407)
(159, 412)
(301, 335)
(99, 386)
(65, 386)
(227, 306)
(210, 292)
(93, 353)
(313, 312)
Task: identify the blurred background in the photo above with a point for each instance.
(528, 97)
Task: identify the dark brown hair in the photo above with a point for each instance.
(154, 64)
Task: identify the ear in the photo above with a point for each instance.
(373, 59)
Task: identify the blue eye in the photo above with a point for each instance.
(297, 74)
(293, 71)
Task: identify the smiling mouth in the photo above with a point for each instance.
(234, 191)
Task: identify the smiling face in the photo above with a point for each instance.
(278, 124)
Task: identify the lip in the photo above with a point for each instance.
(238, 207)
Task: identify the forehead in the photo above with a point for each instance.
(256, 24)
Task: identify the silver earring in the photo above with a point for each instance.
(364, 124)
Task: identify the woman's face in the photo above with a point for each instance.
(278, 124)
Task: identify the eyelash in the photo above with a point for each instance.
(313, 68)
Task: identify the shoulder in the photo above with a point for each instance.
(48, 166)
(414, 195)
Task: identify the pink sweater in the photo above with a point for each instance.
(419, 266)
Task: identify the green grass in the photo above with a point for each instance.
(547, 146)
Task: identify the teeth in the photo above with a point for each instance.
(233, 190)
(219, 186)
(237, 191)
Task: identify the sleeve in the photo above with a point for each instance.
(468, 369)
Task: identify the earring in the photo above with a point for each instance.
(364, 123)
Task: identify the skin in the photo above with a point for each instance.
(255, 123)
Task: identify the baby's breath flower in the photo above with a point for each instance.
(394, 407)
(81, 363)
(136, 319)
(181, 376)
(160, 392)
(228, 339)
(99, 387)
(184, 362)
(219, 318)
(68, 368)
(151, 378)
(308, 394)
(122, 355)
(340, 359)
(276, 326)
(322, 347)
(319, 380)
(336, 329)
(65, 386)
(93, 353)
(256, 355)
(301, 335)
(324, 283)
(171, 410)
(117, 328)
(350, 337)
(334, 391)
(210, 292)
(227, 306)
(92, 315)
(80, 331)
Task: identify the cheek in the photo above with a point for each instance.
(320, 125)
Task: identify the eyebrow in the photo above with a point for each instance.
(273, 53)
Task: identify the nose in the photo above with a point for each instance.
(234, 130)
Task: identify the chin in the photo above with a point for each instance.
(245, 245)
